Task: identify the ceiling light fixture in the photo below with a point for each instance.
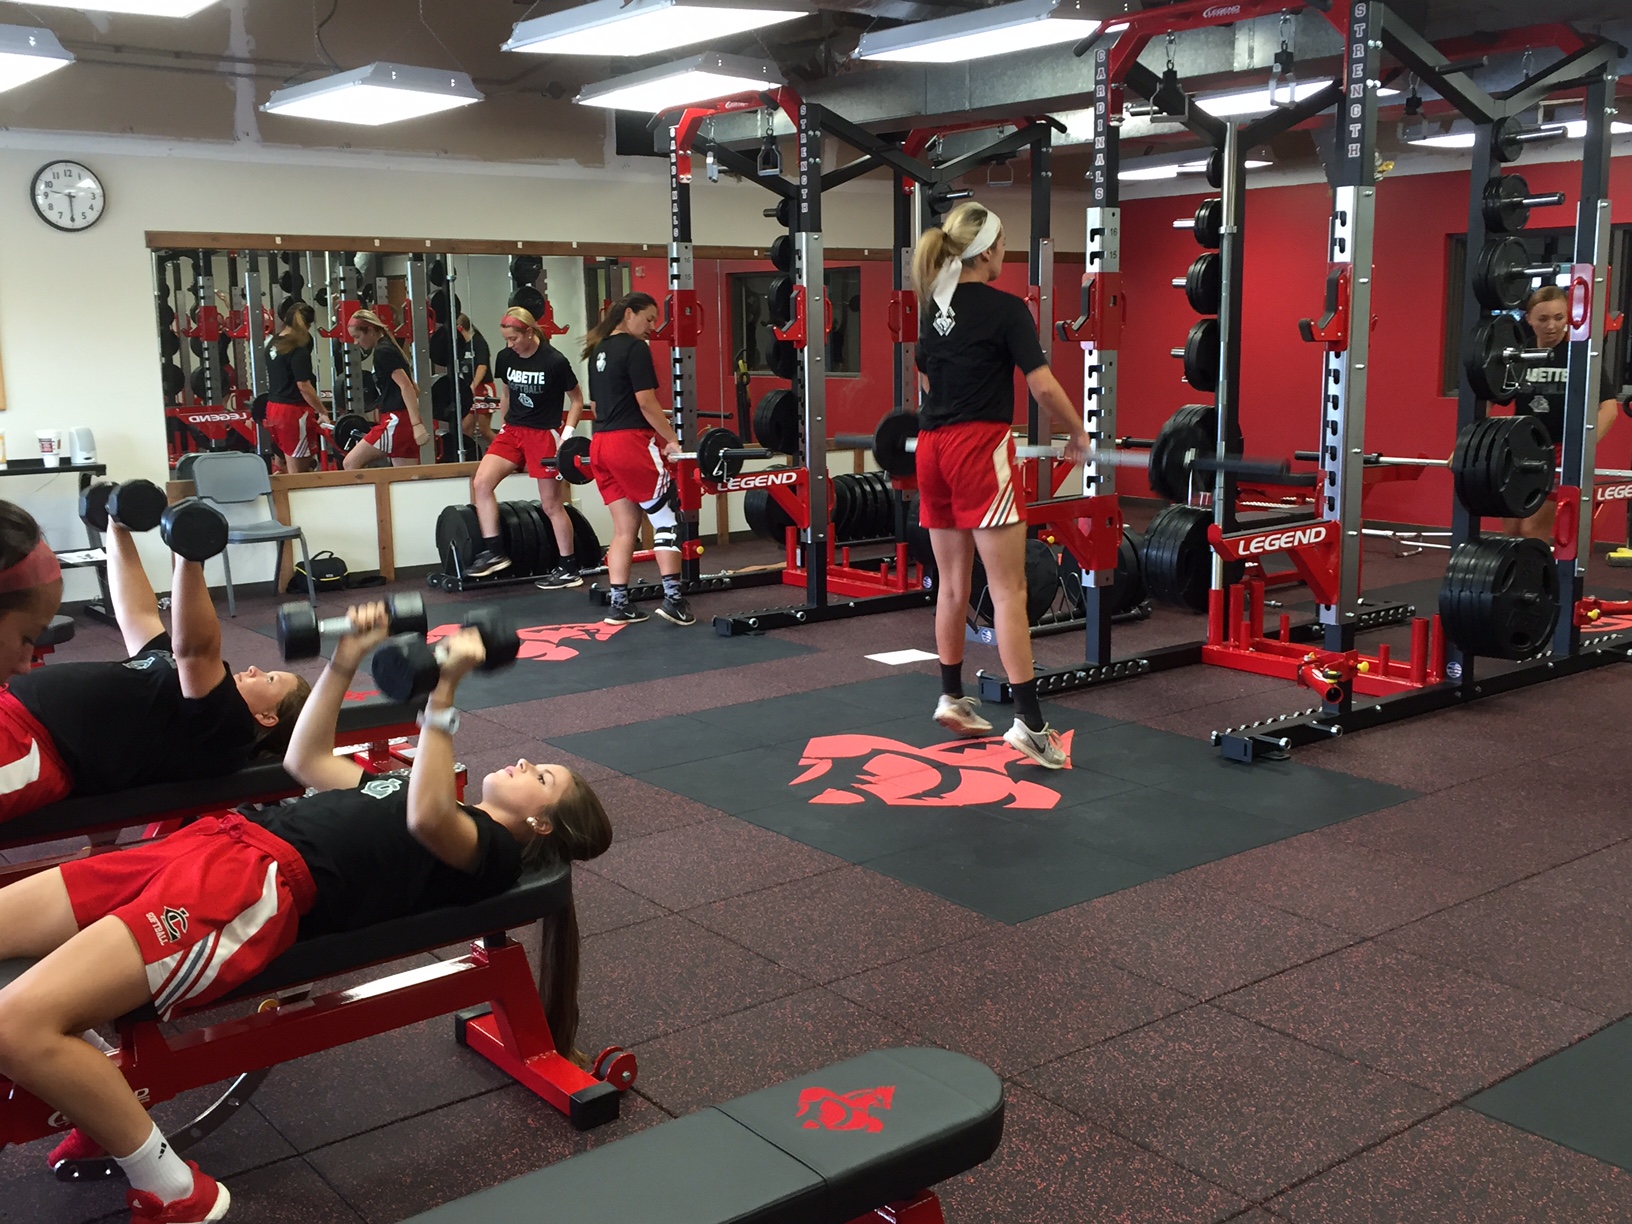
(375, 94)
(698, 78)
(27, 53)
(131, 8)
(629, 28)
(1256, 101)
(1022, 26)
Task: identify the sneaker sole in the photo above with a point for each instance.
(1025, 749)
(675, 620)
(624, 620)
(559, 586)
(966, 730)
(488, 572)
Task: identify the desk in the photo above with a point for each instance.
(94, 555)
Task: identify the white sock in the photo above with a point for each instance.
(95, 1038)
(156, 1168)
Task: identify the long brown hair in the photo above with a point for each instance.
(298, 318)
(636, 302)
(370, 319)
(19, 536)
(945, 242)
(1547, 293)
(275, 739)
(580, 831)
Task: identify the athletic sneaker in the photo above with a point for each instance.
(75, 1145)
(559, 579)
(676, 611)
(1043, 746)
(486, 563)
(623, 614)
(208, 1201)
(957, 715)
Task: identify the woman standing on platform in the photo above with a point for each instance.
(973, 339)
(399, 433)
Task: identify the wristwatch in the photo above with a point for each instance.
(446, 721)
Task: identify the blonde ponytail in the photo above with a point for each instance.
(944, 243)
(373, 320)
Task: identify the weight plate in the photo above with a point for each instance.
(779, 301)
(1129, 591)
(586, 545)
(1192, 428)
(510, 535)
(549, 555)
(1178, 562)
(167, 315)
(782, 253)
(1201, 355)
(349, 430)
(1500, 281)
(1504, 207)
(783, 359)
(456, 543)
(1492, 373)
(765, 515)
(1071, 583)
(1504, 139)
(525, 269)
(776, 422)
(890, 443)
(1042, 584)
(1204, 283)
(712, 460)
(1209, 223)
(1499, 597)
(844, 506)
(1503, 466)
(174, 380)
(527, 298)
(441, 347)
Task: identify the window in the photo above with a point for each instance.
(751, 319)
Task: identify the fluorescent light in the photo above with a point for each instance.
(375, 94)
(1139, 174)
(134, 8)
(998, 30)
(699, 78)
(1458, 136)
(27, 53)
(1256, 101)
(1200, 167)
(629, 28)
(1576, 129)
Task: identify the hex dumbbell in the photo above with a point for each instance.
(301, 635)
(136, 505)
(408, 667)
(194, 529)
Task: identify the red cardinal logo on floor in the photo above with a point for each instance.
(963, 773)
(829, 1111)
(546, 642)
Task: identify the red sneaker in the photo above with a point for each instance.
(75, 1145)
(208, 1201)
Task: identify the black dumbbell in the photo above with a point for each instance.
(408, 667)
(301, 634)
(194, 529)
(136, 505)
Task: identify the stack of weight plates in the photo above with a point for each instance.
(528, 539)
(1500, 597)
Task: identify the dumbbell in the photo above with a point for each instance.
(194, 529)
(301, 634)
(136, 505)
(407, 667)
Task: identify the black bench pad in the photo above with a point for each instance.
(758, 1160)
(60, 630)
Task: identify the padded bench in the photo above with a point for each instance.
(851, 1142)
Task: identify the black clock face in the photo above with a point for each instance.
(68, 196)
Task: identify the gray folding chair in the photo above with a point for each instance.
(233, 478)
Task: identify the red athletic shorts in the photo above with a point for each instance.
(527, 448)
(294, 428)
(210, 906)
(394, 434)
(31, 773)
(966, 476)
(628, 465)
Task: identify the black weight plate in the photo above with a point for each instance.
(890, 444)
(1499, 597)
(1215, 169)
(765, 515)
(712, 461)
(783, 359)
(1204, 283)
(458, 537)
(441, 347)
(1209, 223)
(844, 500)
(1177, 561)
(169, 344)
(1071, 582)
(919, 548)
(174, 380)
(1500, 281)
(1504, 207)
(861, 522)
(1491, 374)
(1129, 591)
(776, 421)
(779, 301)
(167, 315)
(527, 298)
(782, 253)
(510, 534)
(1201, 355)
(525, 269)
(878, 507)
(1042, 584)
(586, 545)
(349, 430)
(436, 272)
(1193, 427)
(533, 527)
(548, 552)
(1504, 141)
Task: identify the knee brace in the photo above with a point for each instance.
(665, 532)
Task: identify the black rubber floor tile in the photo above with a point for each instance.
(738, 782)
(638, 809)
(1461, 1168)
(1449, 1031)
(1191, 938)
(692, 866)
(1052, 1168)
(659, 743)
(288, 1192)
(1294, 795)
(605, 906)
(840, 922)
(1576, 1098)
(754, 1049)
(900, 695)
(1252, 1110)
(1164, 831)
(860, 834)
(788, 719)
(642, 982)
(1011, 999)
(402, 1170)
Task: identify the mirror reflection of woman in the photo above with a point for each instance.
(293, 407)
(399, 433)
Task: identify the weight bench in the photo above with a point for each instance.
(500, 1017)
(862, 1140)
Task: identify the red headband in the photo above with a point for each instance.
(515, 321)
(36, 569)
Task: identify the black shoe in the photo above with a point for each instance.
(623, 614)
(486, 563)
(676, 611)
(559, 579)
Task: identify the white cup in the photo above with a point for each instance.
(50, 446)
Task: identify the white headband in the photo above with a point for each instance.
(946, 280)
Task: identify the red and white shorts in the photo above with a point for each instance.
(31, 773)
(210, 906)
(294, 428)
(628, 466)
(966, 476)
(526, 448)
(394, 434)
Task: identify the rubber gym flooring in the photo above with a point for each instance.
(1384, 981)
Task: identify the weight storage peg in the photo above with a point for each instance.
(1508, 201)
(1208, 223)
(1203, 284)
(136, 505)
(1496, 357)
(408, 667)
(1503, 272)
(301, 634)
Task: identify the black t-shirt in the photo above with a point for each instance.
(366, 864)
(538, 386)
(387, 361)
(284, 370)
(620, 366)
(473, 354)
(1542, 395)
(118, 725)
(970, 353)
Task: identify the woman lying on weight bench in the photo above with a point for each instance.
(170, 713)
(184, 920)
(30, 589)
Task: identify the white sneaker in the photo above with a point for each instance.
(957, 714)
(1043, 746)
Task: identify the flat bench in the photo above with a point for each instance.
(492, 988)
(861, 1140)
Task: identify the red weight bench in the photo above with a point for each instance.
(492, 987)
(860, 1142)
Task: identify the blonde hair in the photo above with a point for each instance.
(519, 317)
(1547, 293)
(297, 328)
(369, 319)
(946, 242)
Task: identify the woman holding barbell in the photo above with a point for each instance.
(399, 433)
(533, 379)
(1547, 311)
(974, 337)
(293, 406)
(185, 920)
(628, 455)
